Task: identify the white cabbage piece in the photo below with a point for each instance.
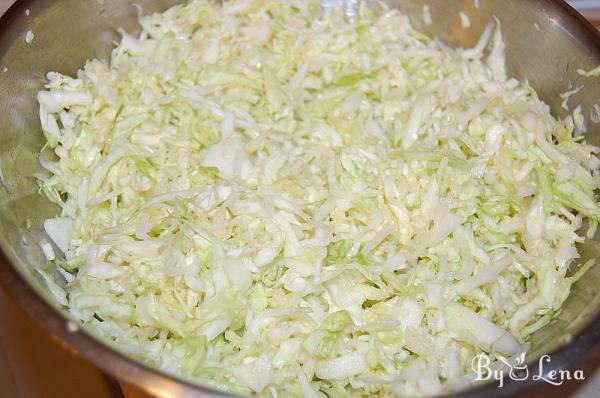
(59, 230)
(270, 200)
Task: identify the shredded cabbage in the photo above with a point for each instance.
(269, 199)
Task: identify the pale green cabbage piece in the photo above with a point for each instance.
(271, 200)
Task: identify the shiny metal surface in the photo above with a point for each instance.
(546, 43)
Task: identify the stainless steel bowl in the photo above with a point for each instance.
(547, 42)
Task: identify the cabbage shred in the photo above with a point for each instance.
(270, 200)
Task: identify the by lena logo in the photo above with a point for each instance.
(518, 370)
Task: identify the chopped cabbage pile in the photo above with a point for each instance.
(268, 199)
